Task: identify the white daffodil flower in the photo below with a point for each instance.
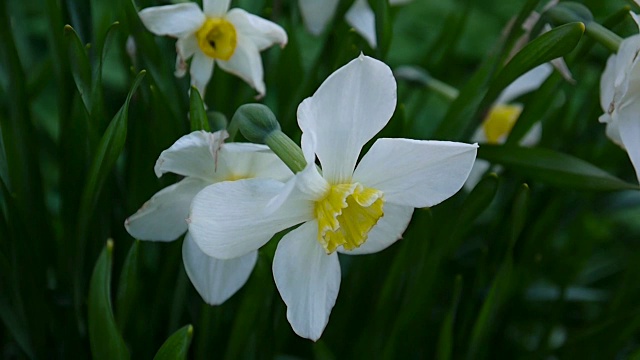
(203, 159)
(503, 115)
(317, 13)
(620, 98)
(343, 208)
(232, 39)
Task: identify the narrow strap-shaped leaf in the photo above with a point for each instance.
(177, 345)
(554, 168)
(108, 151)
(127, 286)
(383, 27)
(79, 65)
(106, 341)
(197, 113)
(548, 46)
(445, 340)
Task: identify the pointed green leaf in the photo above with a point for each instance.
(108, 151)
(79, 65)
(102, 46)
(548, 46)
(197, 113)
(553, 168)
(177, 345)
(106, 341)
(519, 211)
(127, 286)
(445, 340)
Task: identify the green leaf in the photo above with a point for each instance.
(109, 149)
(127, 286)
(177, 345)
(80, 66)
(383, 27)
(106, 341)
(445, 340)
(197, 113)
(102, 46)
(553, 168)
(519, 212)
(548, 46)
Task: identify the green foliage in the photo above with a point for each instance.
(540, 259)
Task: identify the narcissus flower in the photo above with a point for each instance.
(620, 98)
(503, 115)
(317, 13)
(232, 39)
(344, 208)
(203, 159)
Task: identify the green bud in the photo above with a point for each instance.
(256, 122)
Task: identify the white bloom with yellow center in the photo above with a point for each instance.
(232, 39)
(344, 208)
(503, 115)
(620, 98)
(203, 159)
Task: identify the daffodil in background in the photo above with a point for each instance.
(203, 158)
(343, 208)
(317, 13)
(232, 39)
(620, 98)
(503, 115)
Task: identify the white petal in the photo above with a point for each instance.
(308, 280)
(635, 17)
(361, 17)
(246, 63)
(229, 219)
(532, 137)
(414, 172)
(629, 130)
(201, 71)
(529, 81)
(316, 14)
(607, 81)
(263, 33)
(163, 217)
(350, 107)
(215, 280)
(177, 20)
(246, 160)
(215, 8)
(613, 132)
(192, 155)
(185, 47)
(387, 231)
(480, 167)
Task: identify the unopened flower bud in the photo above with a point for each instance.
(256, 122)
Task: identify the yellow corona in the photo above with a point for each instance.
(217, 38)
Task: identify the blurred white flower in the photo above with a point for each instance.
(317, 13)
(203, 158)
(620, 98)
(503, 115)
(343, 208)
(232, 39)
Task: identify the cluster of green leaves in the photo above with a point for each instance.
(541, 260)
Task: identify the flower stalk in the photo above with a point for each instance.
(573, 12)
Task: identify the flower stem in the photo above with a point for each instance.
(604, 36)
(287, 150)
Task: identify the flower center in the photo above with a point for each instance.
(217, 38)
(500, 121)
(346, 215)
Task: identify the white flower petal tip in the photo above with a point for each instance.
(192, 155)
(177, 20)
(162, 218)
(216, 280)
(316, 14)
(351, 106)
(416, 173)
(308, 280)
